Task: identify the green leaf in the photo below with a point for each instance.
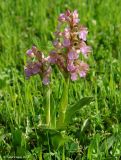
(53, 112)
(85, 125)
(93, 148)
(76, 107)
(58, 140)
(108, 143)
(74, 147)
(63, 105)
(16, 137)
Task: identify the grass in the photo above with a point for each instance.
(97, 129)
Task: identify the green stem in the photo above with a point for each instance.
(63, 154)
(40, 155)
(47, 106)
(63, 104)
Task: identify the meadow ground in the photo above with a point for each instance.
(27, 22)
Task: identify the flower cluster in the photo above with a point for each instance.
(69, 44)
(38, 65)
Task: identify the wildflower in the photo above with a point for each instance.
(46, 81)
(69, 43)
(46, 76)
(83, 33)
(39, 66)
(74, 76)
(66, 33)
(30, 53)
(73, 54)
(75, 18)
(71, 67)
(73, 43)
(32, 69)
(85, 49)
(83, 68)
(66, 42)
(62, 17)
(57, 44)
(53, 57)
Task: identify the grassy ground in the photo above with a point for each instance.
(23, 23)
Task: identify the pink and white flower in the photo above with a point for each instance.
(83, 33)
(72, 54)
(66, 42)
(85, 49)
(75, 18)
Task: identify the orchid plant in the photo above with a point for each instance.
(69, 48)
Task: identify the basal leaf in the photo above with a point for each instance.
(76, 107)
